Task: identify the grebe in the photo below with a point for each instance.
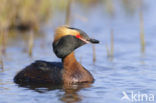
(70, 71)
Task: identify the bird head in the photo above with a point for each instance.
(67, 39)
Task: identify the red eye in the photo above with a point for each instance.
(78, 36)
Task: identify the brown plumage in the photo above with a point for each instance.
(74, 72)
(70, 71)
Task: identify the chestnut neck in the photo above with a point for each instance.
(70, 62)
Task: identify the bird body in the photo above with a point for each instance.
(69, 71)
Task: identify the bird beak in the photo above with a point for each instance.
(90, 40)
(93, 41)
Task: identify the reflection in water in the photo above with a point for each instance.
(70, 90)
(40, 88)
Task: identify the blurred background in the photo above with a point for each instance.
(123, 61)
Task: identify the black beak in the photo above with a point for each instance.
(94, 41)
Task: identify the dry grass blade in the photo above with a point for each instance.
(68, 13)
(1, 63)
(142, 34)
(94, 53)
(31, 43)
(3, 40)
(1, 60)
(112, 43)
(108, 52)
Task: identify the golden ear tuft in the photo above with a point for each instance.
(63, 31)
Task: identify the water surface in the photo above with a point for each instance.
(130, 70)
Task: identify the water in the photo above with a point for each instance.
(129, 71)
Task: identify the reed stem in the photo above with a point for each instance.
(94, 53)
(110, 50)
(30, 43)
(1, 63)
(142, 34)
(112, 43)
(3, 41)
(68, 13)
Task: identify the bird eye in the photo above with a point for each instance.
(78, 36)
